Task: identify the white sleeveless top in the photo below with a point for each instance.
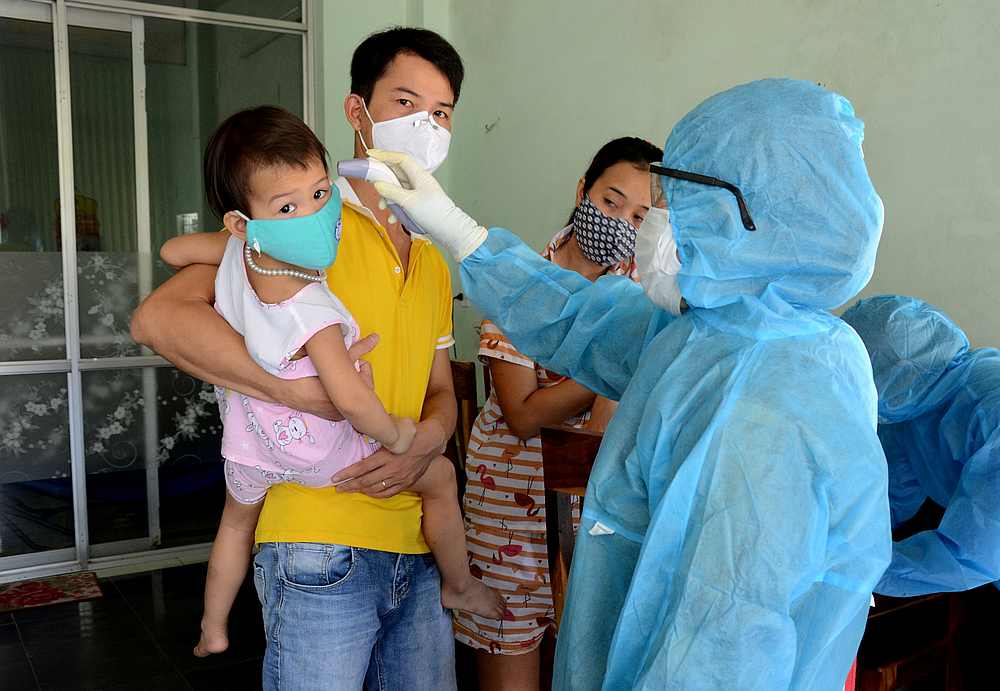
(274, 333)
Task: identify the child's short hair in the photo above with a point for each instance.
(248, 141)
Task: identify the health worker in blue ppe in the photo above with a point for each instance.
(939, 415)
(737, 518)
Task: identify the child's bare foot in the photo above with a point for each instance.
(475, 598)
(214, 639)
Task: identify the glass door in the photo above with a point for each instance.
(104, 449)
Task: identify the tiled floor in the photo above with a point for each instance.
(139, 636)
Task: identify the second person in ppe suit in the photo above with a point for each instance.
(939, 415)
(736, 519)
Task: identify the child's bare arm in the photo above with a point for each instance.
(351, 395)
(197, 248)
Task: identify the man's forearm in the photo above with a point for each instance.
(179, 323)
(206, 347)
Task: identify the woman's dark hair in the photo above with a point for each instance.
(634, 150)
(372, 58)
(247, 141)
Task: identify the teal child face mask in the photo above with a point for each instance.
(307, 241)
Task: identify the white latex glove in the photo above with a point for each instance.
(427, 204)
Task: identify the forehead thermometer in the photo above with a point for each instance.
(370, 170)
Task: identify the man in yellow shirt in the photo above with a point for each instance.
(349, 590)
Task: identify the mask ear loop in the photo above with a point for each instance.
(256, 245)
(371, 120)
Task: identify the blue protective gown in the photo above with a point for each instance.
(741, 475)
(939, 409)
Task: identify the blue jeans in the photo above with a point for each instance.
(336, 617)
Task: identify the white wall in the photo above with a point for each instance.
(558, 78)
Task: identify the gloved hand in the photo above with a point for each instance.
(428, 205)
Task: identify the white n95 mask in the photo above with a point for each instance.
(416, 134)
(657, 261)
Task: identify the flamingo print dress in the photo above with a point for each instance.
(505, 509)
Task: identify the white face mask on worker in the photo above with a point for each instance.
(657, 260)
(416, 134)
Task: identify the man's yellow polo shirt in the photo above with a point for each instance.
(411, 312)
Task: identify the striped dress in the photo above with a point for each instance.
(505, 508)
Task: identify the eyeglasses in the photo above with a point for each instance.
(656, 190)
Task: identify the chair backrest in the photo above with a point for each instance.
(463, 375)
(568, 455)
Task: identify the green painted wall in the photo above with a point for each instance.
(548, 82)
(342, 26)
(341, 29)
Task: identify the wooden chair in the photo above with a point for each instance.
(911, 641)
(463, 375)
(467, 395)
(567, 457)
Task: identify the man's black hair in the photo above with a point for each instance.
(372, 58)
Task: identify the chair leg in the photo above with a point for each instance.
(557, 568)
(877, 680)
(953, 669)
(547, 661)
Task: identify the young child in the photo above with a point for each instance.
(282, 215)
